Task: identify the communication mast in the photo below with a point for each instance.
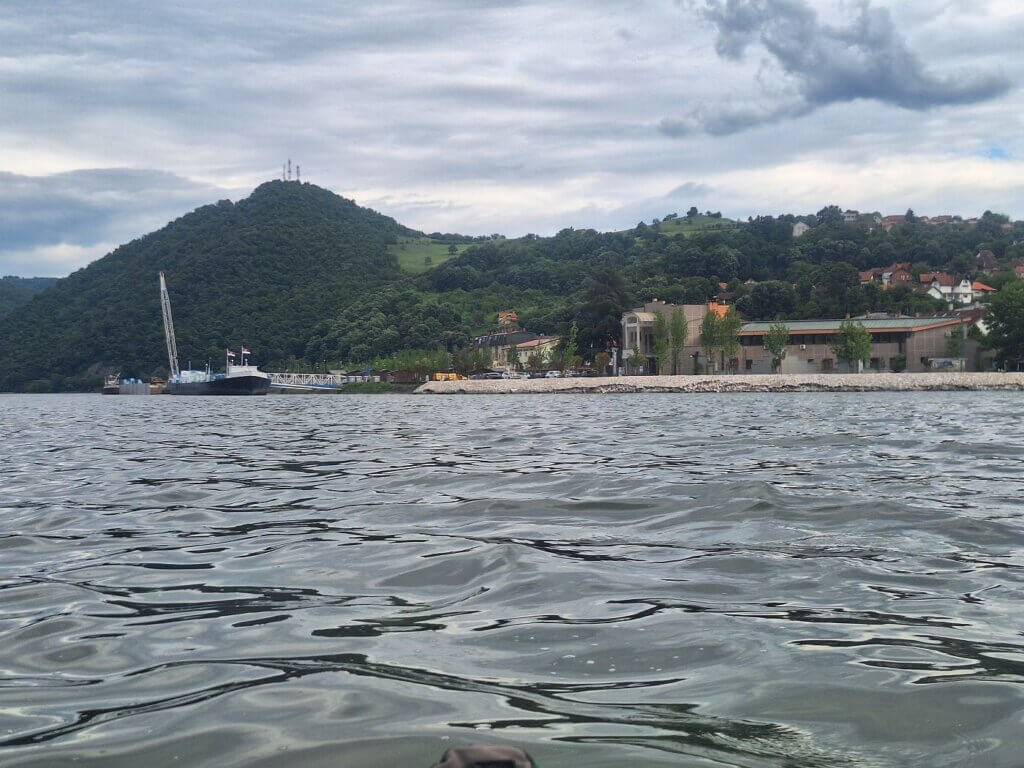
(289, 169)
(297, 178)
(172, 347)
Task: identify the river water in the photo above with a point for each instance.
(686, 580)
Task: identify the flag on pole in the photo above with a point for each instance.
(245, 351)
(230, 353)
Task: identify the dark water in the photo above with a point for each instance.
(697, 580)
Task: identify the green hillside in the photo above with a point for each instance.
(302, 276)
(15, 291)
(418, 254)
(260, 272)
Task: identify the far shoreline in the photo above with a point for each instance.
(786, 382)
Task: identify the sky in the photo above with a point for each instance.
(500, 116)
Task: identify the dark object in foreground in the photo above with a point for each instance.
(485, 757)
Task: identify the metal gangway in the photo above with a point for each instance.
(306, 382)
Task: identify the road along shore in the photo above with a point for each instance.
(788, 382)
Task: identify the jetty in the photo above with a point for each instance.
(787, 382)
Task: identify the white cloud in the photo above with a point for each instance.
(506, 116)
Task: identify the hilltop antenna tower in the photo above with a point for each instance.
(297, 178)
(289, 169)
(172, 347)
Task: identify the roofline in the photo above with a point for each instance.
(937, 323)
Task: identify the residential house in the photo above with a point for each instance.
(947, 288)
(544, 345)
(980, 290)
(498, 344)
(888, 222)
(851, 216)
(1019, 269)
(897, 274)
(986, 262)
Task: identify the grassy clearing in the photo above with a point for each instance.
(685, 227)
(413, 252)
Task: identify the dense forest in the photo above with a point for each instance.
(307, 278)
(15, 291)
(260, 272)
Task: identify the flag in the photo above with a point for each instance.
(230, 353)
(245, 351)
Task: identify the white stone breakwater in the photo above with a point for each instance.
(789, 382)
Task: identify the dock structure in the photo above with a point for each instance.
(306, 382)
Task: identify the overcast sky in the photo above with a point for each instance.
(500, 116)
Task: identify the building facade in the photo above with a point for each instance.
(638, 332)
(897, 343)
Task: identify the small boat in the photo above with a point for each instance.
(112, 384)
(236, 380)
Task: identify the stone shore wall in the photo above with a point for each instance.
(793, 382)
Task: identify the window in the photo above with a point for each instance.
(750, 365)
(810, 361)
(826, 364)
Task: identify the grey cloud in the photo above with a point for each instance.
(689, 189)
(866, 58)
(90, 207)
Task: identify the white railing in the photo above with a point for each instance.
(306, 380)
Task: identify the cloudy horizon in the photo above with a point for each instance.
(508, 116)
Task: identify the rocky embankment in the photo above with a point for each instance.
(790, 382)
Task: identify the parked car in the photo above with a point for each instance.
(553, 375)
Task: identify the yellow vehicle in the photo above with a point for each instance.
(448, 376)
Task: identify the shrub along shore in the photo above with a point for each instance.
(790, 382)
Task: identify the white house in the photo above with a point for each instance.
(951, 291)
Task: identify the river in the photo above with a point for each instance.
(643, 580)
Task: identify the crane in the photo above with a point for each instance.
(172, 347)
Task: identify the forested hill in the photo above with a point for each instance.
(303, 276)
(15, 291)
(259, 272)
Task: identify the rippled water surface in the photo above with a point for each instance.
(694, 580)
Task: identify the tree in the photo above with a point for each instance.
(768, 300)
(536, 360)
(776, 341)
(1005, 320)
(601, 312)
(830, 214)
(693, 212)
(453, 249)
(601, 361)
(709, 337)
(513, 358)
(570, 347)
(636, 360)
(678, 329)
(852, 343)
(910, 217)
(954, 343)
(662, 345)
(729, 336)
(427, 261)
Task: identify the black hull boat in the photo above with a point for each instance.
(257, 384)
(236, 380)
